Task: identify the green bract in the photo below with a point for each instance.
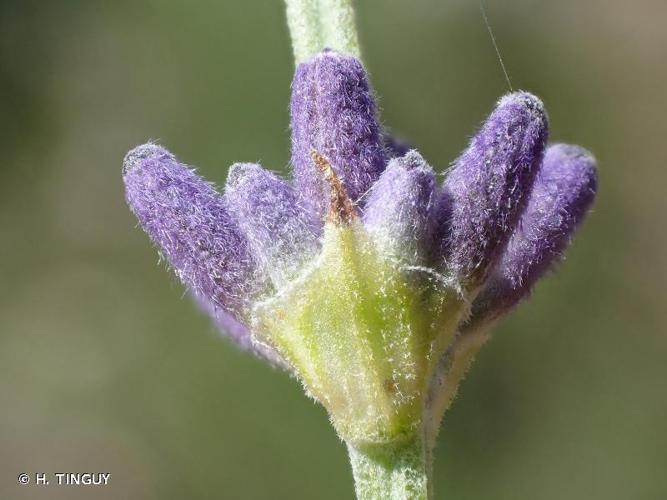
(364, 334)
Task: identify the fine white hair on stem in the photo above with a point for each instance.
(318, 24)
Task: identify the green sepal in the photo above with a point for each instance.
(364, 334)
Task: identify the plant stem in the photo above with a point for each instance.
(394, 471)
(319, 24)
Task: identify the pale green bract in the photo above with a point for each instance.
(364, 334)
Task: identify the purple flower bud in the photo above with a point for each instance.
(188, 221)
(563, 192)
(488, 185)
(282, 234)
(399, 212)
(333, 113)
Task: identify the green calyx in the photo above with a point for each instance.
(364, 334)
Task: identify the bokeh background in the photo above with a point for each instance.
(105, 366)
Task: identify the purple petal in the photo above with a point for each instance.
(562, 194)
(333, 112)
(187, 220)
(400, 209)
(488, 185)
(282, 234)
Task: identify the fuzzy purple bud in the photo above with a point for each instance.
(282, 234)
(485, 190)
(188, 221)
(562, 194)
(400, 209)
(334, 114)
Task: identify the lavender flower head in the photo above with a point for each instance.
(363, 276)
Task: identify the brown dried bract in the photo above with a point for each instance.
(341, 209)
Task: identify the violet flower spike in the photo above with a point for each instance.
(361, 276)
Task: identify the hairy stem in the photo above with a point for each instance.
(318, 24)
(393, 471)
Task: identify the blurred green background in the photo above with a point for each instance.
(107, 367)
